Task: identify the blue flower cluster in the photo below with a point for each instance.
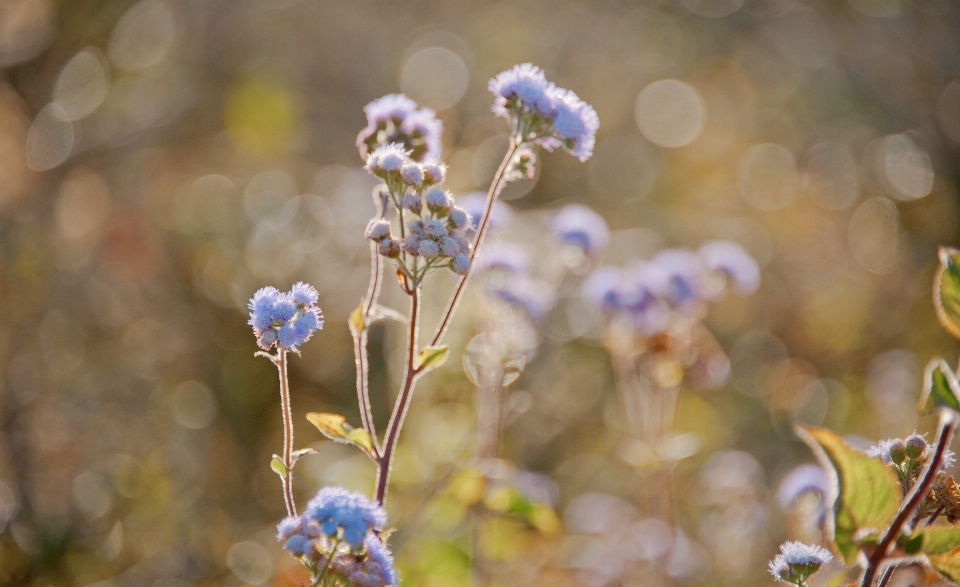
(675, 280)
(335, 517)
(285, 319)
(543, 113)
(435, 230)
(396, 118)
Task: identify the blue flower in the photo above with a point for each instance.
(285, 319)
(576, 123)
(684, 273)
(522, 86)
(635, 292)
(377, 569)
(387, 160)
(501, 256)
(461, 264)
(335, 508)
(531, 295)
(576, 224)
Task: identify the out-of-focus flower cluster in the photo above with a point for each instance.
(337, 538)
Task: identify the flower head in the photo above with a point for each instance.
(335, 510)
(531, 295)
(522, 87)
(576, 123)
(377, 569)
(798, 561)
(684, 275)
(396, 118)
(576, 224)
(285, 319)
(387, 160)
(476, 202)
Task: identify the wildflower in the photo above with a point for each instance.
(434, 170)
(387, 160)
(285, 319)
(428, 249)
(377, 570)
(576, 224)
(338, 511)
(730, 259)
(915, 446)
(460, 218)
(798, 561)
(461, 264)
(684, 272)
(438, 200)
(636, 292)
(378, 230)
(543, 113)
(527, 293)
(412, 201)
(576, 123)
(435, 229)
(397, 119)
(412, 174)
(502, 256)
(881, 450)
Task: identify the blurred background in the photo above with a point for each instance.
(160, 160)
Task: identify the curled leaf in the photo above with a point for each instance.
(940, 387)
(946, 290)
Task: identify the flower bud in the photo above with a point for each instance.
(916, 445)
(429, 249)
(378, 230)
(898, 451)
(413, 203)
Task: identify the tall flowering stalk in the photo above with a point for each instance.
(401, 147)
(419, 229)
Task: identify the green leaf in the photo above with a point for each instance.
(278, 467)
(942, 547)
(866, 494)
(356, 321)
(946, 290)
(333, 426)
(431, 357)
(940, 387)
(910, 544)
(361, 438)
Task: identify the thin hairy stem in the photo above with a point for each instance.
(360, 338)
(287, 478)
(918, 493)
(403, 400)
(333, 553)
(496, 186)
(887, 574)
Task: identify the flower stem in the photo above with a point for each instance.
(919, 492)
(403, 400)
(287, 478)
(333, 553)
(496, 186)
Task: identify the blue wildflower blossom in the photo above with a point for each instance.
(797, 561)
(576, 224)
(285, 319)
(576, 123)
(337, 510)
(522, 86)
(476, 202)
(531, 295)
(684, 274)
(377, 570)
(387, 160)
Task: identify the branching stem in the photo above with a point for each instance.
(918, 493)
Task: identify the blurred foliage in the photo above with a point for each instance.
(160, 160)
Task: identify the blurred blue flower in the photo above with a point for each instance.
(475, 203)
(576, 224)
(730, 258)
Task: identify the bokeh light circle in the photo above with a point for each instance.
(670, 113)
(767, 176)
(435, 77)
(873, 234)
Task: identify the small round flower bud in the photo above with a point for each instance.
(411, 244)
(916, 445)
(412, 174)
(389, 247)
(378, 230)
(435, 229)
(268, 337)
(459, 217)
(448, 246)
(898, 451)
(429, 249)
(437, 200)
(416, 227)
(434, 171)
(461, 264)
(413, 203)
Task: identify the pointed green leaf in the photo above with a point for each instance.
(333, 426)
(910, 544)
(946, 290)
(356, 321)
(431, 357)
(278, 467)
(942, 547)
(361, 438)
(940, 387)
(865, 495)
